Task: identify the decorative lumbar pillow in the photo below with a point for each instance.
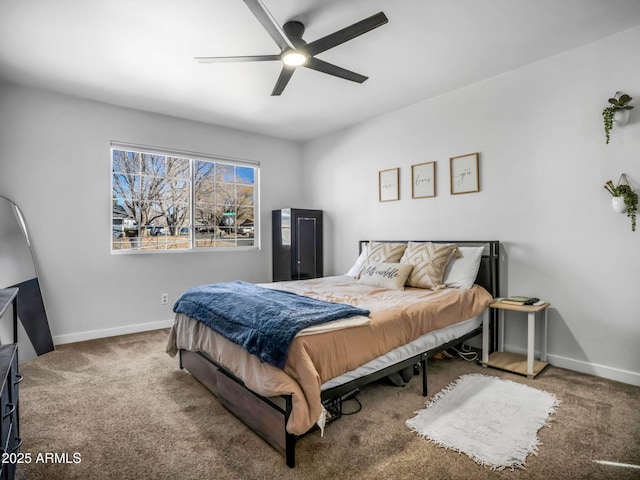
(353, 271)
(429, 262)
(461, 272)
(386, 275)
(380, 252)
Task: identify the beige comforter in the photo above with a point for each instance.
(397, 318)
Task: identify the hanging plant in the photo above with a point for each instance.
(618, 103)
(630, 198)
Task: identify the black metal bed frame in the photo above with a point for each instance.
(268, 416)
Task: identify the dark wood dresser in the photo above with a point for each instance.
(9, 421)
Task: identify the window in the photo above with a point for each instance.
(167, 200)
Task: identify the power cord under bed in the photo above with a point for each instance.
(335, 407)
(465, 353)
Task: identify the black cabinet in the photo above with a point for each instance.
(297, 244)
(9, 438)
(9, 379)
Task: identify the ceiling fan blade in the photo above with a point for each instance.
(346, 34)
(283, 79)
(246, 58)
(331, 69)
(269, 23)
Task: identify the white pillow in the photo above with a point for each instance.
(461, 272)
(353, 271)
(387, 275)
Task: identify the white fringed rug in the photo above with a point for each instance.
(493, 421)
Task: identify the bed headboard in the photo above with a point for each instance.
(489, 272)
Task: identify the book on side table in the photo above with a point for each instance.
(520, 300)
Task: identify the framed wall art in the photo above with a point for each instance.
(388, 183)
(464, 177)
(423, 180)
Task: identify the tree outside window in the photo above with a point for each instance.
(169, 202)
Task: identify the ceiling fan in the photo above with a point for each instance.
(296, 52)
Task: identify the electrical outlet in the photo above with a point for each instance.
(164, 298)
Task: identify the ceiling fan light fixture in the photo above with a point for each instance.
(294, 58)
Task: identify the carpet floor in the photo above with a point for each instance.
(126, 408)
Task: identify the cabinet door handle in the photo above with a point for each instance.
(18, 379)
(12, 408)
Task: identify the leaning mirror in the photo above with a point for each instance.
(17, 269)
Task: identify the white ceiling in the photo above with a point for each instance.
(139, 53)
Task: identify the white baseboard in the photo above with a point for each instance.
(619, 375)
(111, 332)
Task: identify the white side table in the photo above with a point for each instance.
(523, 365)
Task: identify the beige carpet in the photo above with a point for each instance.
(124, 405)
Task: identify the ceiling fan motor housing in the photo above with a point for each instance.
(294, 30)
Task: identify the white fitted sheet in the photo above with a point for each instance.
(421, 344)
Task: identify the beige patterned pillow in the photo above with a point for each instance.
(429, 262)
(380, 252)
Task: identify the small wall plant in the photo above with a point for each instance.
(618, 102)
(630, 199)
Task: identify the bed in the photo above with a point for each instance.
(327, 362)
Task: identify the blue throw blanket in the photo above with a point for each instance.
(262, 320)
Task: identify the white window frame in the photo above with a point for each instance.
(191, 156)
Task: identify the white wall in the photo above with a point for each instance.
(54, 163)
(543, 163)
